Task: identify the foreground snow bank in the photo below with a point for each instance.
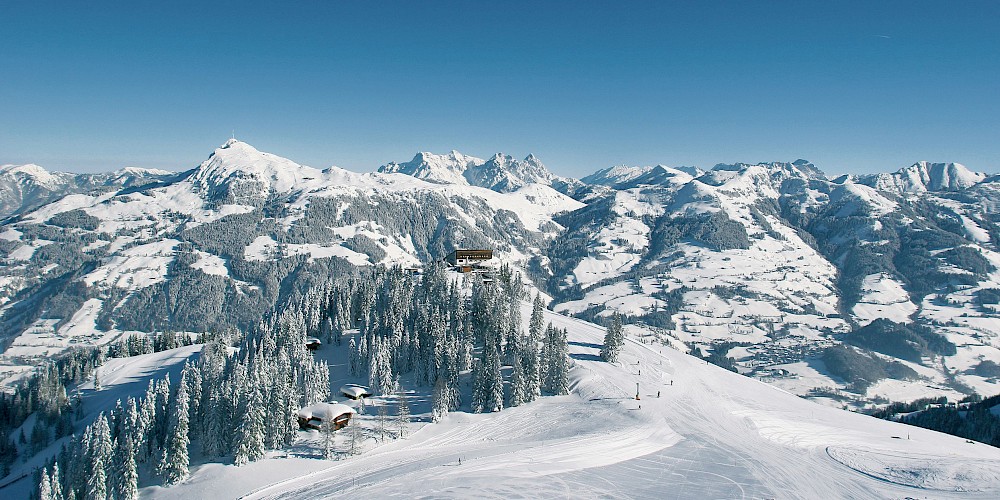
(930, 472)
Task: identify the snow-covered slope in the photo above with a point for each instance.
(782, 261)
(695, 431)
(23, 187)
(926, 176)
(217, 242)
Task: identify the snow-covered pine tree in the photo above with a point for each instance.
(352, 352)
(380, 376)
(174, 462)
(327, 430)
(465, 352)
(537, 323)
(614, 340)
(194, 388)
(215, 440)
(529, 359)
(100, 455)
(144, 426)
(512, 329)
(518, 384)
(126, 473)
(440, 399)
(162, 414)
(116, 419)
(250, 433)
(402, 412)
(56, 483)
(488, 391)
(79, 461)
(437, 338)
(275, 402)
(556, 379)
(291, 415)
(45, 486)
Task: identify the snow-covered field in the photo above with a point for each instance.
(696, 431)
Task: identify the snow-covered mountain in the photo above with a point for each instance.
(773, 264)
(221, 243)
(502, 173)
(444, 169)
(624, 177)
(925, 176)
(24, 187)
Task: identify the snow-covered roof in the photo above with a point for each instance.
(355, 391)
(313, 340)
(325, 411)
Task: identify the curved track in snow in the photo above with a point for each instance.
(711, 434)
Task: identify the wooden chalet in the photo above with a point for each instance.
(313, 416)
(465, 259)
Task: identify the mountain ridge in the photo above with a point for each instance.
(775, 259)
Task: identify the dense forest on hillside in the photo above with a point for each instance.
(239, 397)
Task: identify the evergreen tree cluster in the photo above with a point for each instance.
(138, 343)
(435, 328)
(972, 418)
(238, 403)
(231, 403)
(45, 394)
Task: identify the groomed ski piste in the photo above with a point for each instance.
(696, 431)
(710, 434)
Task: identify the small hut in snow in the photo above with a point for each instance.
(313, 343)
(355, 391)
(313, 416)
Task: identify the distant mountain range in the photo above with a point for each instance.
(848, 290)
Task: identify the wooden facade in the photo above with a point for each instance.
(466, 258)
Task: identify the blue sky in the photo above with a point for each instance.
(851, 86)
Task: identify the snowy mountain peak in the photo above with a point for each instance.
(31, 171)
(139, 171)
(626, 177)
(615, 175)
(441, 169)
(239, 173)
(781, 170)
(925, 176)
(502, 173)
(807, 168)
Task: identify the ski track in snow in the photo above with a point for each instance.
(711, 434)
